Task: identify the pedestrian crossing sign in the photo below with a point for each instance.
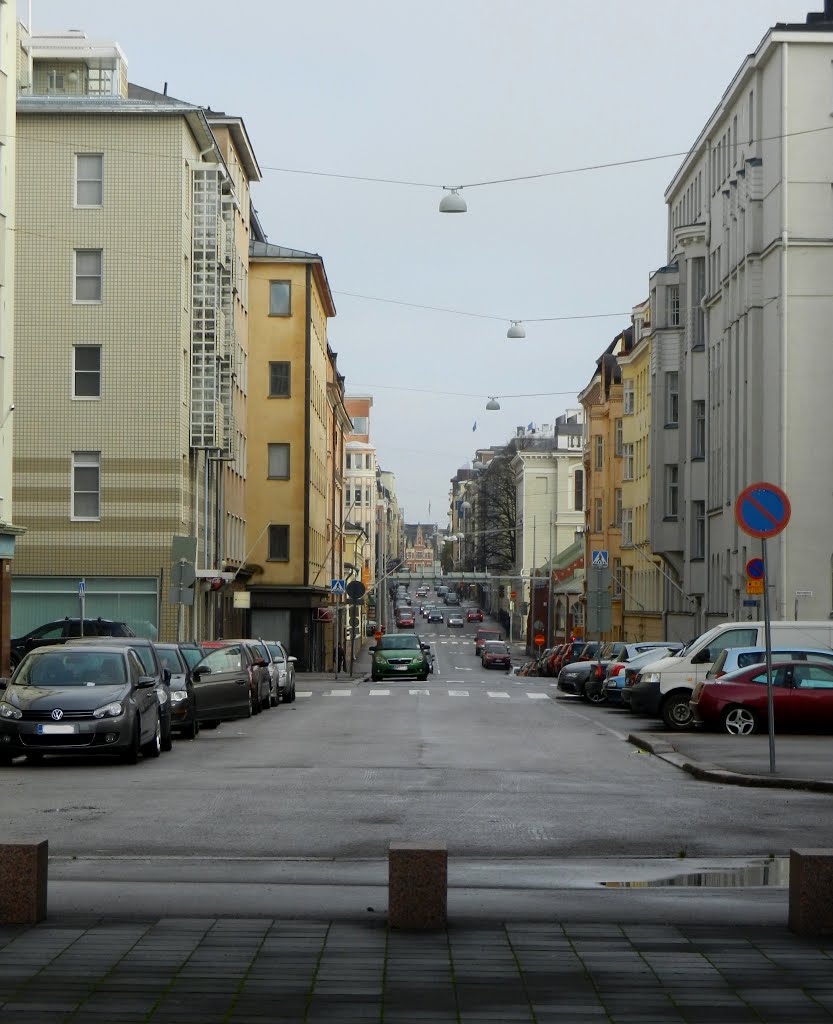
(599, 560)
(336, 586)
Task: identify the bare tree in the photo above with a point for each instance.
(495, 511)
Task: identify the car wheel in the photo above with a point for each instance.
(266, 703)
(375, 679)
(423, 677)
(131, 755)
(213, 724)
(739, 721)
(274, 698)
(154, 747)
(167, 733)
(292, 693)
(595, 696)
(192, 730)
(5, 760)
(676, 712)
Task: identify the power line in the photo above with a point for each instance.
(464, 394)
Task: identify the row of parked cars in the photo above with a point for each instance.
(718, 680)
(128, 696)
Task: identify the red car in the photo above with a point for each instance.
(495, 655)
(802, 698)
(474, 615)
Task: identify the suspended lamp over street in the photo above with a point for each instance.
(493, 405)
(517, 330)
(466, 506)
(452, 202)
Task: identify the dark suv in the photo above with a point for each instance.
(60, 630)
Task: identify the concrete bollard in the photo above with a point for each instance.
(23, 872)
(418, 885)
(811, 892)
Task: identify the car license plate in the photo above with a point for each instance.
(400, 668)
(55, 729)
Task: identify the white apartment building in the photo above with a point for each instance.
(742, 313)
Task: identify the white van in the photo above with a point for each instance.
(664, 687)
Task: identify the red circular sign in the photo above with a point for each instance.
(539, 639)
(762, 510)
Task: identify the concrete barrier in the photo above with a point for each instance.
(811, 892)
(418, 885)
(23, 872)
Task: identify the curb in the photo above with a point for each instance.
(714, 773)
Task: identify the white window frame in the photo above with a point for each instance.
(283, 446)
(672, 305)
(627, 528)
(698, 433)
(618, 433)
(79, 180)
(627, 398)
(598, 452)
(698, 529)
(87, 302)
(85, 460)
(627, 461)
(672, 398)
(75, 371)
(672, 491)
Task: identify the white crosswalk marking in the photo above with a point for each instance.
(462, 668)
(379, 693)
(538, 696)
(338, 693)
(458, 693)
(303, 693)
(498, 693)
(425, 692)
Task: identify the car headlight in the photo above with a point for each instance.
(650, 677)
(9, 711)
(162, 694)
(178, 696)
(109, 710)
(379, 659)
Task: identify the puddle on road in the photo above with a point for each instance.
(771, 872)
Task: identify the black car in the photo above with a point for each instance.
(184, 719)
(152, 666)
(223, 683)
(79, 701)
(435, 615)
(60, 630)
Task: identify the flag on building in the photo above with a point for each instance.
(530, 426)
(474, 426)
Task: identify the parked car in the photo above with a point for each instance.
(435, 615)
(455, 620)
(152, 667)
(370, 627)
(620, 673)
(258, 668)
(89, 699)
(184, 719)
(60, 630)
(474, 615)
(802, 698)
(400, 654)
(286, 670)
(496, 654)
(482, 635)
(613, 657)
(224, 682)
(742, 657)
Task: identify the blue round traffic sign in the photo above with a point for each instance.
(755, 568)
(762, 510)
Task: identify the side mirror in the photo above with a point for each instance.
(292, 659)
(425, 647)
(166, 676)
(146, 682)
(198, 673)
(259, 662)
(372, 649)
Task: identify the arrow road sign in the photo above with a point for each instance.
(599, 560)
(336, 586)
(762, 510)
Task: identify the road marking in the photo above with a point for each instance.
(379, 693)
(455, 680)
(538, 696)
(462, 668)
(425, 692)
(458, 693)
(303, 693)
(498, 693)
(338, 693)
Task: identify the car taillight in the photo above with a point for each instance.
(616, 669)
(630, 677)
(717, 675)
(597, 672)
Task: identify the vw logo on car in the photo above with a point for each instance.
(57, 714)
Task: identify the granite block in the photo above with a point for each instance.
(418, 885)
(23, 870)
(811, 892)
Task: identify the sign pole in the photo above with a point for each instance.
(82, 602)
(768, 641)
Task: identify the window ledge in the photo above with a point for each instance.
(672, 426)
(698, 458)
(697, 558)
(670, 519)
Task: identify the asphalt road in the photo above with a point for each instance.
(492, 763)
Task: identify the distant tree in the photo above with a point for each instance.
(447, 559)
(496, 516)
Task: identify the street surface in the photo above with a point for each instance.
(492, 763)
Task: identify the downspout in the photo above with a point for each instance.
(785, 241)
(307, 417)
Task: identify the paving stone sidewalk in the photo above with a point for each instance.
(212, 971)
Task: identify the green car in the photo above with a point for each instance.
(399, 654)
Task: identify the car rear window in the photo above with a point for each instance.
(397, 643)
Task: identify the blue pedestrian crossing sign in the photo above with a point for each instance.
(336, 586)
(599, 560)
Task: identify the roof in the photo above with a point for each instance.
(575, 585)
(268, 252)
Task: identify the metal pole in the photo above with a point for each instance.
(549, 590)
(768, 640)
(82, 599)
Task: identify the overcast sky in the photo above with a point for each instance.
(446, 93)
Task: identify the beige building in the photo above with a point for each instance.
(132, 290)
(292, 533)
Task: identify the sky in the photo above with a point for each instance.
(447, 94)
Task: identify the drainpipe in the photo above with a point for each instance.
(785, 241)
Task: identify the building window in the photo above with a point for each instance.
(88, 267)
(698, 529)
(360, 425)
(617, 577)
(627, 527)
(279, 380)
(672, 305)
(672, 491)
(278, 461)
(597, 515)
(698, 292)
(55, 81)
(617, 437)
(89, 179)
(578, 490)
(357, 497)
(617, 508)
(86, 371)
(367, 496)
(86, 485)
(698, 435)
(627, 462)
(627, 397)
(348, 460)
(672, 399)
(599, 446)
(368, 461)
(278, 544)
(279, 298)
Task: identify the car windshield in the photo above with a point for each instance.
(169, 659)
(191, 655)
(57, 669)
(495, 647)
(648, 657)
(398, 643)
